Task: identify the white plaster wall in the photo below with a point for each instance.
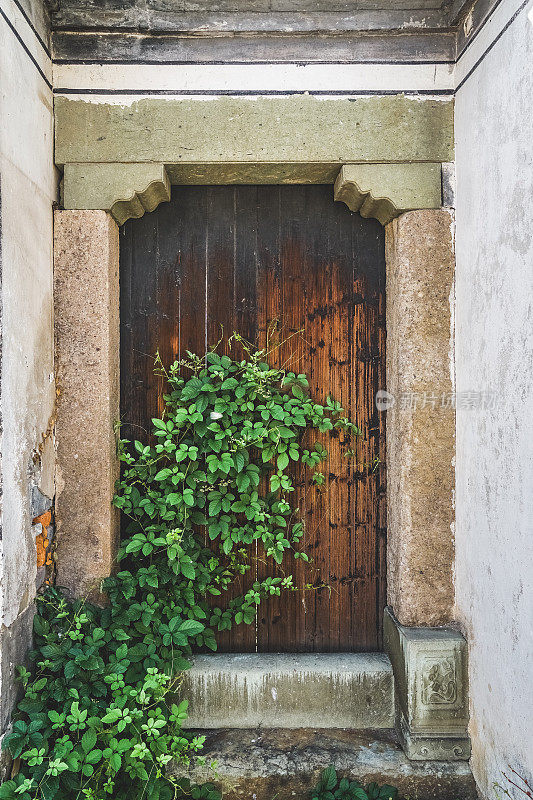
(196, 79)
(494, 346)
(28, 189)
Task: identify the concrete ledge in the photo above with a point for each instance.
(264, 764)
(338, 690)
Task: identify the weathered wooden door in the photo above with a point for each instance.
(288, 264)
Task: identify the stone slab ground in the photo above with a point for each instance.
(259, 764)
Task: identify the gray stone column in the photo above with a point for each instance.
(421, 420)
(86, 307)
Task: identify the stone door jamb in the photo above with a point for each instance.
(406, 199)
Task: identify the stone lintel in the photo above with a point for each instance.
(420, 417)
(385, 191)
(430, 673)
(295, 130)
(87, 372)
(124, 190)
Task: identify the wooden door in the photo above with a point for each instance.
(289, 264)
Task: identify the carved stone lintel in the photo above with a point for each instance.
(385, 191)
(430, 675)
(124, 190)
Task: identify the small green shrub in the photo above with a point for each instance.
(331, 787)
(99, 716)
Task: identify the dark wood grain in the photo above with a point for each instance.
(298, 274)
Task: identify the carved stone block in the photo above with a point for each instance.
(430, 673)
(385, 191)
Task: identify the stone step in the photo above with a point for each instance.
(286, 690)
(285, 764)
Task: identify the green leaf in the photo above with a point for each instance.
(93, 757)
(112, 716)
(286, 433)
(70, 670)
(329, 778)
(201, 402)
(163, 474)
(7, 790)
(283, 461)
(88, 740)
(188, 497)
(386, 791)
(191, 627)
(188, 570)
(115, 761)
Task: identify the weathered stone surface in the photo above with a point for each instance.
(15, 642)
(421, 417)
(87, 364)
(39, 502)
(285, 130)
(385, 191)
(448, 184)
(284, 690)
(215, 16)
(263, 764)
(431, 678)
(125, 190)
(252, 173)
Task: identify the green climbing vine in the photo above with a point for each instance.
(100, 714)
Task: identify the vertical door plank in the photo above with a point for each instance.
(268, 336)
(283, 618)
(138, 296)
(189, 231)
(220, 258)
(339, 345)
(243, 638)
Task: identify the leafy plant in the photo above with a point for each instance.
(331, 787)
(100, 714)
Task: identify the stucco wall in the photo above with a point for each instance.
(494, 473)
(28, 189)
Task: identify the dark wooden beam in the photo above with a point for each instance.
(419, 47)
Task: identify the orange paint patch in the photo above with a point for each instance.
(41, 540)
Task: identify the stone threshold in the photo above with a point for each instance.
(260, 764)
(290, 690)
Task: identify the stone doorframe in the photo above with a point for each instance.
(102, 189)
